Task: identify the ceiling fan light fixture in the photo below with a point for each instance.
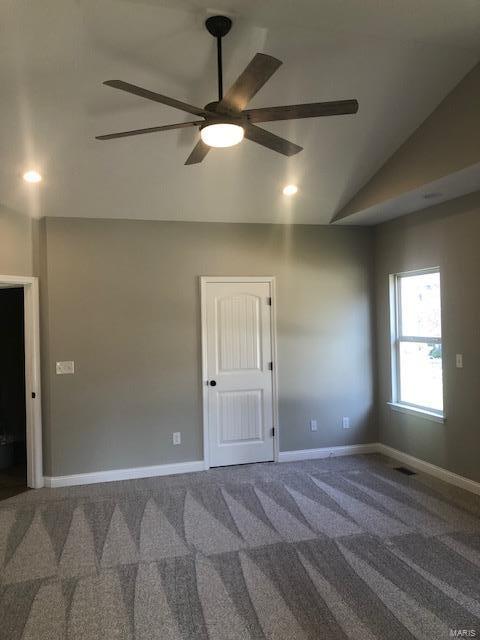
(226, 121)
(222, 134)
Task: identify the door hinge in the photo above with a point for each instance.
(269, 301)
(34, 395)
(270, 366)
(273, 432)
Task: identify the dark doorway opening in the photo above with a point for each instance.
(13, 447)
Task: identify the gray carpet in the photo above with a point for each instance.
(334, 549)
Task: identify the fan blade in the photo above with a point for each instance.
(138, 132)
(294, 111)
(251, 80)
(156, 97)
(199, 152)
(270, 140)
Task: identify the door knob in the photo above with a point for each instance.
(212, 383)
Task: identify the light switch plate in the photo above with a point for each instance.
(65, 367)
(177, 437)
(346, 422)
(313, 425)
(459, 360)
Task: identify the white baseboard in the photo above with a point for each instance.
(326, 452)
(430, 469)
(284, 456)
(378, 447)
(124, 474)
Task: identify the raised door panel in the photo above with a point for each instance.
(240, 416)
(239, 335)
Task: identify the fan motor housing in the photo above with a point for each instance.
(211, 106)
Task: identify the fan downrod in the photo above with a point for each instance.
(219, 26)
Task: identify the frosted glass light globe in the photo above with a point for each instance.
(222, 134)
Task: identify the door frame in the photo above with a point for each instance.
(204, 280)
(33, 400)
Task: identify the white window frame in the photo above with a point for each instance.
(397, 338)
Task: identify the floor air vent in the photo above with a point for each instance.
(405, 471)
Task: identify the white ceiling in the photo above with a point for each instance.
(399, 59)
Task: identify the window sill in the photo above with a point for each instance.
(420, 413)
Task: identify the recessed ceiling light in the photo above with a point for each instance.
(32, 176)
(290, 190)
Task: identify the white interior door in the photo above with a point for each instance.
(238, 368)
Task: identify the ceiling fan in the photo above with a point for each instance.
(226, 122)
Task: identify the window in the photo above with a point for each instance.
(417, 341)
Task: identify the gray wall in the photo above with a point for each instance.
(122, 300)
(446, 235)
(16, 243)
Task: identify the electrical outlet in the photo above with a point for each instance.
(459, 360)
(64, 367)
(177, 437)
(346, 422)
(313, 425)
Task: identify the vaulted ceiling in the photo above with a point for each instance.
(399, 59)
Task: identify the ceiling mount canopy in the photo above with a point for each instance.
(226, 122)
